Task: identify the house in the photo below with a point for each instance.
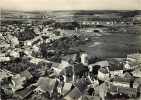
(137, 72)
(128, 66)
(137, 84)
(128, 75)
(121, 81)
(126, 81)
(46, 84)
(2, 59)
(27, 43)
(103, 74)
(116, 70)
(130, 92)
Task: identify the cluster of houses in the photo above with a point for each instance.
(96, 19)
(72, 78)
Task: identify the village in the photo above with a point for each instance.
(41, 61)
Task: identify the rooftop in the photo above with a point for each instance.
(121, 79)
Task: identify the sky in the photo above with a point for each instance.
(28, 5)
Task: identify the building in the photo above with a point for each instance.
(130, 92)
(137, 72)
(128, 66)
(128, 75)
(46, 84)
(2, 59)
(123, 85)
(103, 19)
(116, 70)
(84, 59)
(137, 84)
(103, 74)
(121, 81)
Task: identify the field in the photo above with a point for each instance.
(108, 45)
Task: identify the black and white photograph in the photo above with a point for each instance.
(70, 50)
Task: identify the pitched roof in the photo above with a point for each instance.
(46, 84)
(121, 79)
(67, 87)
(128, 75)
(74, 94)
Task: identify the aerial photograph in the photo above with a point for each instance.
(59, 51)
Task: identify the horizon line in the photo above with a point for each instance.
(71, 10)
